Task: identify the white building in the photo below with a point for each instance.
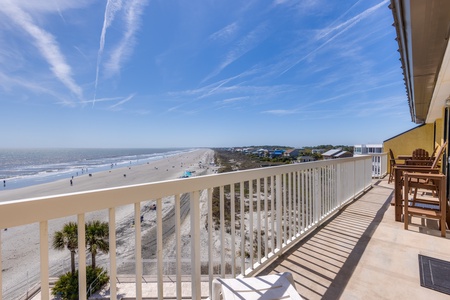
(364, 149)
(370, 149)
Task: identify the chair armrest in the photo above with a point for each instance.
(423, 162)
(423, 175)
(397, 161)
(419, 169)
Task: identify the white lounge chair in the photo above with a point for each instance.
(276, 286)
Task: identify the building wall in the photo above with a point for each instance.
(359, 149)
(405, 143)
(440, 131)
(426, 136)
(363, 149)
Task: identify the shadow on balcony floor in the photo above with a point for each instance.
(362, 253)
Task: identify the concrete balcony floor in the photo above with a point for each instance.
(362, 253)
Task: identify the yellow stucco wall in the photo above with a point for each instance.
(426, 136)
(439, 131)
(405, 143)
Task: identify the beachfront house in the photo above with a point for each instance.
(261, 152)
(276, 153)
(292, 153)
(318, 151)
(326, 222)
(363, 149)
(331, 153)
(343, 154)
(305, 158)
(336, 153)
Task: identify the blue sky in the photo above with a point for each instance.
(170, 73)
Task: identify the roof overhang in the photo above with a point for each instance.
(423, 29)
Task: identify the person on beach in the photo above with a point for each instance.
(4, 183)
(71, 182)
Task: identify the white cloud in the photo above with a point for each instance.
(329, 34)
(112, 6)
(39, 7)
(244, 45)
(280, 112)
(235, 99)
(344, 26)
(116, 106)
(132, 14)
(225, 34)
(46, 44)
(106, 99)
(8, 83)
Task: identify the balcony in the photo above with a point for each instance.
(305, 220)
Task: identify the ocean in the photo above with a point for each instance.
(26, 167)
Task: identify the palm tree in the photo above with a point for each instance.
(97, 234)
(67, 237)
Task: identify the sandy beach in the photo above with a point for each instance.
(20, 245)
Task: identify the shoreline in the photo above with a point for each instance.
(171, 167)
(20, 267)
(76, 168)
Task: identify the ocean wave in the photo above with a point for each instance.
(24, 168)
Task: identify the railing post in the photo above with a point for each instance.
(250, 221)
(233, 231)
(338, 185)
(138, 249)
(279, 198)
(44, 259)
(354, 180)
(159, 247)
(81, 258)
(317, 197)
(284, 186)
(266, 219)
(242, 223)
(258, 220)
(195, 245)
(210, 243)
(222, 230)
(1, 268)
(112, 254)
(289, 206)
(272, 204)
(178, 243)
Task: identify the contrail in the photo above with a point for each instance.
(123, 101)
(132, 12)
(112, 6)
(338, 30)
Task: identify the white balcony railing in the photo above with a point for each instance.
(379, 165)
(261, 213)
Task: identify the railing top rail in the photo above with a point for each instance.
(26, 211)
